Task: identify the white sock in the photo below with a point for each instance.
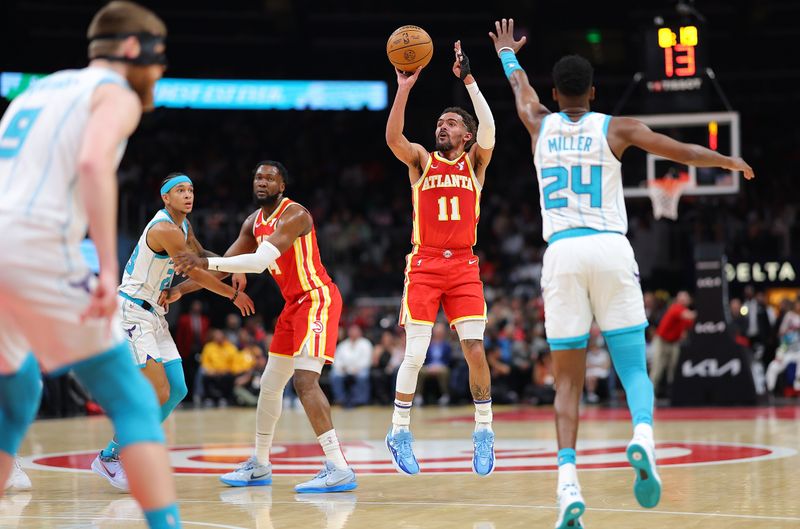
(401, 416)
(644, 430)
(567, 475)
(333, 452)
(483, 415)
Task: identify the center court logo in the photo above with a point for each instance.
(435, 456)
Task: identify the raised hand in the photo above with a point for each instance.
(405, 79)
(505, 36)
(461, 65)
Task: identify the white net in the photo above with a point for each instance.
(665, 194)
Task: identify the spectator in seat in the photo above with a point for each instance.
(353, 360)
(215, 368)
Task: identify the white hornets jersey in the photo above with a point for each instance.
(580, 179)
(147, 272)
(40, 139)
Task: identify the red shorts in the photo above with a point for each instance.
(312, 320)
(450, 278)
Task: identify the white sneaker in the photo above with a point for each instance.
(570, 507)
(18, 480)
(642, 457)
(111, 469)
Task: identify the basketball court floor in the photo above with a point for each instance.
(731, 468)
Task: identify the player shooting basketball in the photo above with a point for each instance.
(441, 268)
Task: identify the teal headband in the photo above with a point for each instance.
(172, 182)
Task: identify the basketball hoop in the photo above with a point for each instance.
(665, 193)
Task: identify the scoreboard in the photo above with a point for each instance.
(675, 59)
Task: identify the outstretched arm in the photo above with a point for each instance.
(529, 107)
(624, 132)
(295, 222)
(413, 155)
(481, 151)
(170, 237)
(245, 243)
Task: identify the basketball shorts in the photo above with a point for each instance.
(45, 286)
(592, 276)
(447, 278)
(309, 321)
(148, 334)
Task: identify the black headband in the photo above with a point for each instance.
(147, 55)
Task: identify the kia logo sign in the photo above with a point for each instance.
(710, 368)
(709, 282)
(710, 327)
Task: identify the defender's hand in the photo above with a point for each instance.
(740, 165)
(187, 261)
(505, 36)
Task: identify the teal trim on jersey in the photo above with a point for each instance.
(565, 344)
(566, 117)
(625, 330)
(577, 232)
(51, 153)
(606, 121)
(164, 254)
(172, 362)
(136, 301)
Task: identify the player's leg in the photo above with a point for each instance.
(172, 367)
(130, 402)
(569, 317)
(619, 308)
(465, 307)
(325, 309)
(20, 392)
(420, 304)
(257, 470)
(336, 475)
(139, 326)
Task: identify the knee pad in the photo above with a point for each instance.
(19, 401)
(275, 377)
(124, 393)
(418, 338)
(470, 329)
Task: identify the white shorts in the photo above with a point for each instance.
(594, 276)
(148, 334)
(44, 288)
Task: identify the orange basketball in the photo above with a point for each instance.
(409, 47)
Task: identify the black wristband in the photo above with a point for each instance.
(235, 295)
(465, 71)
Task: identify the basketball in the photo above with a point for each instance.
(409, 47)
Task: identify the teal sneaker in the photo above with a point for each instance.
(642, 457)
(251, 473)
(483, 454)
(329, 479)
(399, 446)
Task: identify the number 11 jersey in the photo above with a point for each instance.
(446, 204)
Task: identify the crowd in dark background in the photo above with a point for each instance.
(359, 194)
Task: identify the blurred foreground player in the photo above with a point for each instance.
(60, 144)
